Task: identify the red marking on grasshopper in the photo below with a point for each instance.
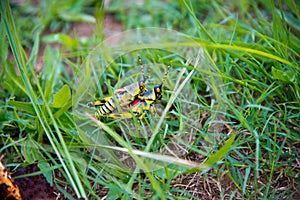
(135, 102)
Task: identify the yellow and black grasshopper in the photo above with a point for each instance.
(124, 96)
(144, 102)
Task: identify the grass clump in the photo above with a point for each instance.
(231, 132)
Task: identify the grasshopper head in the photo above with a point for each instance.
(157, 89)
(158, 92)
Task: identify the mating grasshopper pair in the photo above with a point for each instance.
(135, 96)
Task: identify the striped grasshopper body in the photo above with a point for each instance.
(124, 96)
(143, 103)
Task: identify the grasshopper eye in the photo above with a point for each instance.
(158, 90)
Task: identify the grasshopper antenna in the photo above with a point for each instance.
(145, 76)
(166, 75)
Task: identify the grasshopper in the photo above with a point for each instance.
(144, 102)
(124, 96)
